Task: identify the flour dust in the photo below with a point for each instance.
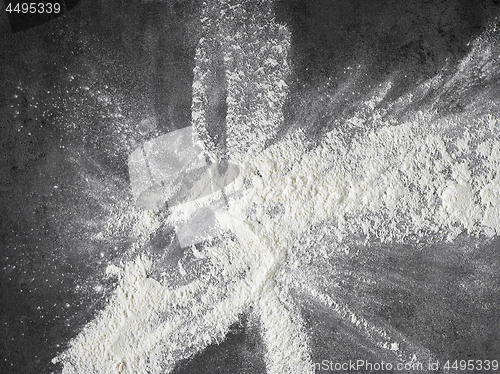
(384, 176)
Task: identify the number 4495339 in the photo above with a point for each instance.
(485, 365)
(34, 8)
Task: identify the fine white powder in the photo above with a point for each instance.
(428, 177)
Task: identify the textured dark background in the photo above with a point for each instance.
(64, 150)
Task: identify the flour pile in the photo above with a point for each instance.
(429, 177)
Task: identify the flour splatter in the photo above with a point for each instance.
(423, 176)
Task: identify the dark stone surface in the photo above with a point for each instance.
(63, 164)
(352, 46)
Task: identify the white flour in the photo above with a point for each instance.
(254, 52)
(428, 178)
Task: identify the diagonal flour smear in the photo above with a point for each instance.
(428, 177)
